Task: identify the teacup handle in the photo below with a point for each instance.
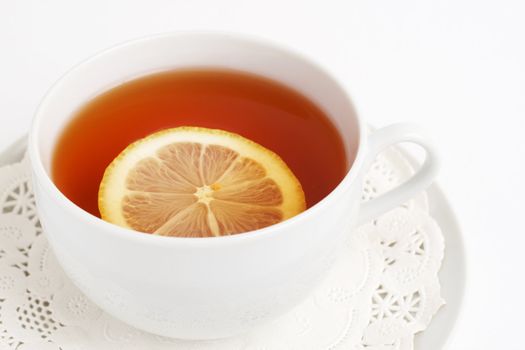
(423, 178)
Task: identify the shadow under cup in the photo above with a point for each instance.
(194, 288)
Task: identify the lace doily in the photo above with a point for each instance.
(382, 291)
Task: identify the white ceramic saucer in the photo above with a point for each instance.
(452, 274)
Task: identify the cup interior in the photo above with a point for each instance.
(190, 50)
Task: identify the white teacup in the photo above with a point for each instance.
(202, 288)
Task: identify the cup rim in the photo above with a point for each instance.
(45, 181)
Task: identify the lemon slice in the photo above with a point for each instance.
(198, 182)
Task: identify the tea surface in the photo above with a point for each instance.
(257, 108)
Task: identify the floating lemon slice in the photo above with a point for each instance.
(198, 182)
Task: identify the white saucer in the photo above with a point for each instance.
(452, 274)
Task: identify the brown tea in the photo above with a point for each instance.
(255, 107)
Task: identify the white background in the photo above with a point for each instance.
(456, 67)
